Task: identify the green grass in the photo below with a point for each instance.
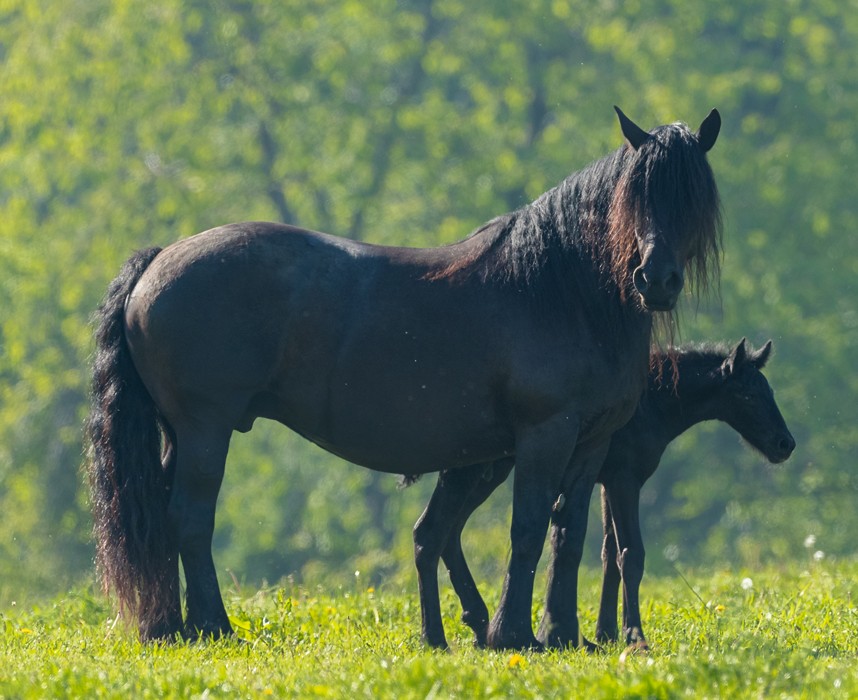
(791, 633)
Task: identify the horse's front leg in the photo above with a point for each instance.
(623, 495)
(200, 462)
(559, 626)
(541, 455)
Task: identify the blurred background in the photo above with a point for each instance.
(126, 123)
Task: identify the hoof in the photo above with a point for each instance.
(193, 633)
(480, 627)
(607, 637)
(635, 637)
(636, 649)
(558, 637)
(560, 642)
(530, 645)
(436, 643)
(167, 631)
(590, 647)
(514, 642)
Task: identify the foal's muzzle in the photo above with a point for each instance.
(659, 290)
(782, 449)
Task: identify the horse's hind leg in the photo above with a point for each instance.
(475, 614)
(200, 462)
(606, 625)
(431, 533)
(624, 498)
(170, 623)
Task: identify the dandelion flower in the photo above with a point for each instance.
(517, 661)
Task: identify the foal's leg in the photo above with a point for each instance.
(624, 497)
(559, 626)
(431, 534)
(606, 625)
(475, 614)
(541, 455)
(200, 461)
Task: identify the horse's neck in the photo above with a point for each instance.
(678, 410)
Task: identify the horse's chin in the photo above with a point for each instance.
(657, 305)
(774, 452)
(778, 456)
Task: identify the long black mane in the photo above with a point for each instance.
(543, 246)
(580, 235)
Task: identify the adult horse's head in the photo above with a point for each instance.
(665, 215)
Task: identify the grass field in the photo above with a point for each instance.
(789, 633)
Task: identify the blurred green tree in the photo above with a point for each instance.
(126, 123)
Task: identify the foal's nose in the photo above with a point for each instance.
(787, 445)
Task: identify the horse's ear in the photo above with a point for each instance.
(735, 359)
(635, 136)
(708, 131)
(759, 358)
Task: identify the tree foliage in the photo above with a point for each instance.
(125, 124)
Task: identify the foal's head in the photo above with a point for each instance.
(665, 216)
(748, 404)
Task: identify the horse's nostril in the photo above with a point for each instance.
(787, 444)
(640, 280)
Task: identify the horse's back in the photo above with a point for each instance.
(352, 345)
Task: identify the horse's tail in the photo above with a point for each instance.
(128, 486)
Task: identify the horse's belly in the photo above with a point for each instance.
(406, 457)
(404, 432)
(411, 390)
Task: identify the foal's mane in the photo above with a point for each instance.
(695, 365)
(580, 235)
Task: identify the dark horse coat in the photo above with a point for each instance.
(527, 338)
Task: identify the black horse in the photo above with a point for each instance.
(529, 337)
(694, 385)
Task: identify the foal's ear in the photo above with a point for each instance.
(635, 136)
(708, 131)
(735, 359)
(759, 358)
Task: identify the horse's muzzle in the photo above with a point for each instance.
(658, 292)
(782, 449)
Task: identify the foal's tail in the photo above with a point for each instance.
(128, 486)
